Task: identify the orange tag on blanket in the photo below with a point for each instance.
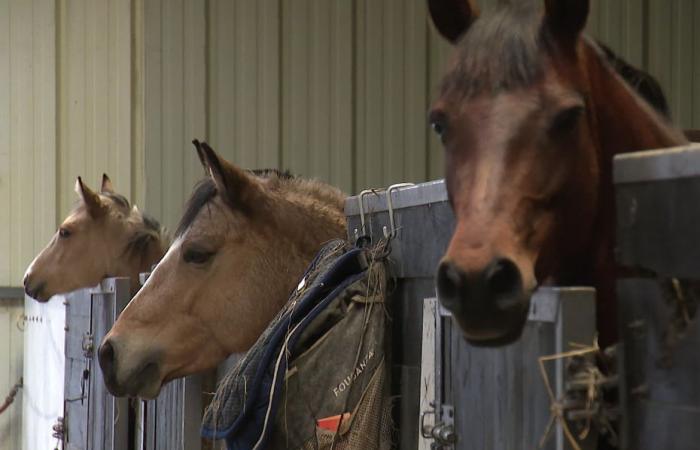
(333, 422)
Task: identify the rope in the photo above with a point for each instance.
(11, 396)
(557, 406)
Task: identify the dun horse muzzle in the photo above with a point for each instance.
(134, 380)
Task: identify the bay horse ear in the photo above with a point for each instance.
(234, 184)
(567, 18)
(200, 153)
(106, 184)
(452, 18)
(92, 201)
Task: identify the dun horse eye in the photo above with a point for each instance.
(64, 233)
(197, 256)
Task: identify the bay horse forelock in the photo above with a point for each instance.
(531, 114)
(242, 244)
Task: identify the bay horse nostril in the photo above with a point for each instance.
(450, 282)
(504, 281)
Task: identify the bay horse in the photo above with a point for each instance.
(240, 249)
(103, 236)
(531, 113)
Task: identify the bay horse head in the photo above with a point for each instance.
(240, 249)
(102, 236)
(530, 114)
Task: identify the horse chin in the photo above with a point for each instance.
(509, 329)
(145, 384)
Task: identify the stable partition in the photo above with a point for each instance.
(11, 354)
(94, 419)
(658, 193)
(43, 392)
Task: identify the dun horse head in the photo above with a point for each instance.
(529, 114)
(103, 236)
(241, 247)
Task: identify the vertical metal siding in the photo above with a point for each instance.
(94, 96)
(174, 102)
(27, 132)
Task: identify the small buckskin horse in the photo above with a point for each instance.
(531, 114)
(241, 247)
(103, 236)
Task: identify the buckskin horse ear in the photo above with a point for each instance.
(92, 201)
(234, 184)
(106, 184)
(453, 17)
(567, 18)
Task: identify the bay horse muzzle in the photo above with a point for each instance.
(489, 305)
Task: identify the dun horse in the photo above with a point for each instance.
(103, 236)
(241, 247)
(531, 114)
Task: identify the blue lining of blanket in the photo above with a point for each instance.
(342, 273)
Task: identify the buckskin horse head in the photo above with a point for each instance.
(102, 236)
(531, 113)
(241, 247)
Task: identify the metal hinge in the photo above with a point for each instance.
(443, 431)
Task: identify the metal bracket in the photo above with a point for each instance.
(361, 203)
(391, 232)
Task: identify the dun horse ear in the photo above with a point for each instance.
(235, 185)
(106, 184)
(567, 18)
(92, 201)
(452, 18)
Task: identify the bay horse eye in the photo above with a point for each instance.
(193, 256)
(438, 122)
(64, 233)
(567, 119)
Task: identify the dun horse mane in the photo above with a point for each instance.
(148, 231)
(310, 194)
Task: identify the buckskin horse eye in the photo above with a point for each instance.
(64, 233)
(193, 256)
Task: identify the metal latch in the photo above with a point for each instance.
(88, 345)
(443, 431)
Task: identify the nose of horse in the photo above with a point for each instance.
(33, 290)
(499, 287)
(106, 357)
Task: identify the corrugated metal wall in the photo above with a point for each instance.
(336, 89)
(27, 132)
